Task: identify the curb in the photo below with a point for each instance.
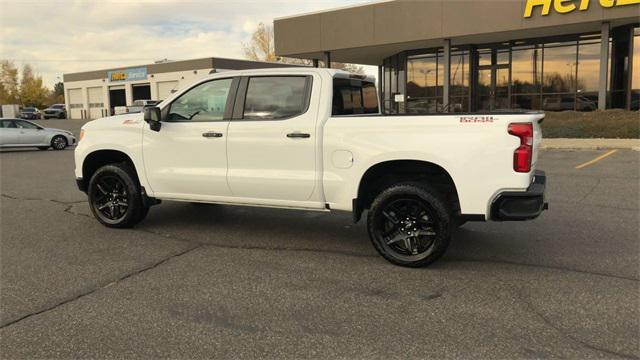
(590, 144)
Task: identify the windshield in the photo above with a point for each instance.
(29, 109)
(57, 106)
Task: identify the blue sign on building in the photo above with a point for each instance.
(132, 74)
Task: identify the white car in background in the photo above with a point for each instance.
(22, 133)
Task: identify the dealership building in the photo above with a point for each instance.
(481, 55)
(94, 94)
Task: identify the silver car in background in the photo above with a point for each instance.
(22, 133)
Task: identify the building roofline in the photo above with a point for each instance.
(178, 65)
(337, 8)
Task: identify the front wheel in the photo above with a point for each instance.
(409, 225)
(115, 197)
(59, 142)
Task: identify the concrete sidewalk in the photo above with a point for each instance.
(591, 144)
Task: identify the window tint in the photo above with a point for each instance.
(205, 102)
(7, 124)
(277, 97)
(352, 96)
(26, 125)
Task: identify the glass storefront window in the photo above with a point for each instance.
(535, 74)
(559, 68)
(424, 83)
(502, 56)
(484, 57)
(529, 102)
(459, 88)
(588, 67)
(526, 70)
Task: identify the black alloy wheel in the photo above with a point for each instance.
(409, 225)
(112, 200)
(59, 142)
(115, 196)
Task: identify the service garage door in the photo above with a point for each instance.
(141, 92)
(117, 97)
(166, 88)
(75, 103)
(96, 102)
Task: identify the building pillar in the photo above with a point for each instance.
(447, 75)
(327, 59)
(85, 103)
(473, 78)
(315, 63)
(67, 102)
(128, 93)
(604, 66)
(630, 71)
(380, 87)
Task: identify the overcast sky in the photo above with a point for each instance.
(59, 37)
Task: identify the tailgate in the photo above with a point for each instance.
(537, 138)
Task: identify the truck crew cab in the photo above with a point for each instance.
(314, 139)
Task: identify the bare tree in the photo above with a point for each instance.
(261, 48)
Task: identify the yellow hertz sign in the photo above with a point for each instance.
(567, 6)
(118, 76)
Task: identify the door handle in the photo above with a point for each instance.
(212, 134)
(298, 135)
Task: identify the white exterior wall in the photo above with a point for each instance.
(181, 78)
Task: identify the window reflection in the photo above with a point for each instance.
(635, 70)
(526, 70)
(588, 67)
(424, 83)
(459, 89)
(552, 76)
(559, 68)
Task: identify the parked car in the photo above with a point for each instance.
(23, 133)
(57, 111)
(313, 139)
(567, 103)
(30, 113)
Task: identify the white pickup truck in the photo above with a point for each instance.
(313, 139)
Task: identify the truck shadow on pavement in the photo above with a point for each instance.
(251, 227)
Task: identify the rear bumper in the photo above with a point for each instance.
(521, 205)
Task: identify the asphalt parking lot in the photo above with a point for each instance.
(231, 282)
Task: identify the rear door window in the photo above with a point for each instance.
(276, 97)
(354, 96)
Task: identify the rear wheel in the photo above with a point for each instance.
(115, 196)
(62, 116)
(59, 142)
(409, 225)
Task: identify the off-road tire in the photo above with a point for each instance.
(125, 174)
(426, 198)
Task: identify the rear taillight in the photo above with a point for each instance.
(524, 153)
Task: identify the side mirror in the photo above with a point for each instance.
(153, 116)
